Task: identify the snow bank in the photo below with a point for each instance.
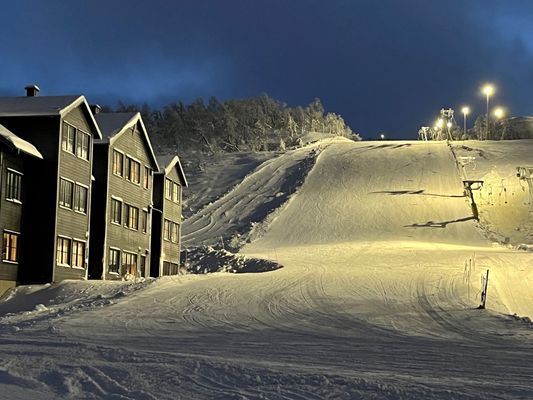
(206, 259)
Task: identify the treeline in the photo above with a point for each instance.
(255, 124)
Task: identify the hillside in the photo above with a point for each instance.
(376, 299)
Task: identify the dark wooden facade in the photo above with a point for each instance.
(122, 198)
(14, 155)
(167, 216)
(57, 208)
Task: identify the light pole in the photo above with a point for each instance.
(499, 113)
(488, 90)
(466, 111)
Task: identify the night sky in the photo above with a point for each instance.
(385, 65)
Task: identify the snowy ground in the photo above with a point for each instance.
(376, 300)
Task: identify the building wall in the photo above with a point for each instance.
(10, 217)
(170, 252)
(72, 224)
(38, 220)
(132, 144)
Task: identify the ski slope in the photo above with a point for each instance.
(376, 298)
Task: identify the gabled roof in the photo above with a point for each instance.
(32, 106)
(167, 162)
(113, 125)
(14, 142)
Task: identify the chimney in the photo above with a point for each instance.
(32, 90)
(95, 108)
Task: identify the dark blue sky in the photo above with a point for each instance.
(385, 65)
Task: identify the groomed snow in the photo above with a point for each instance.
(376, 300)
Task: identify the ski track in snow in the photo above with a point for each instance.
(373, 302)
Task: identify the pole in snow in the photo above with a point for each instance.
(484, 291)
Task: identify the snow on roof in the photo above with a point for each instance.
(112, 123)
(12, 140)
(32, 106)
(168, 161)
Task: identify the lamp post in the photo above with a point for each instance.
(499, 113)
(465, 110)
(488, 90)
(449, 125)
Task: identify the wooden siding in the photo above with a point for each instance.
(37, 262)
(132, 144)
(170, 252)
(10, 212)
(70, 223)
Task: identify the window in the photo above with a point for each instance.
(166, 230)
(10, 246)
(166, 268)
(144, 221)
(175, 192)
(116, 211)
(133, 171)
(146, 180)
(129, 263)
(118, 163)
(13, 185)
(174, 229)
(132, 216)
(168, 189)
(80, 198)
(114, 260)
(63, 251)
(78, 254)
(65, 193)
(171, 231)
(82, 145)
(68, 138)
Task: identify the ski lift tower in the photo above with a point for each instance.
(526, 174)
(446, 114)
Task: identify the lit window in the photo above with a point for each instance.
(146, 180)
(13, 185)
(168, 189)
(10, 246)
(175, 192)
(82, 145)
(78, 254)
(63, 251)
(144, 221)
(68, 138)
(118, 163)
(133, 171)
(114, 260)
(166, 230)
(65, 193)
(171, 231)
(129, 263)
(116, 211)
(132, 216)
(80, 198)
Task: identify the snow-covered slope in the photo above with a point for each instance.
(376, 300)
(503, 200)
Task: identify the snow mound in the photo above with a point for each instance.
(25, 305)
(206, 259)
